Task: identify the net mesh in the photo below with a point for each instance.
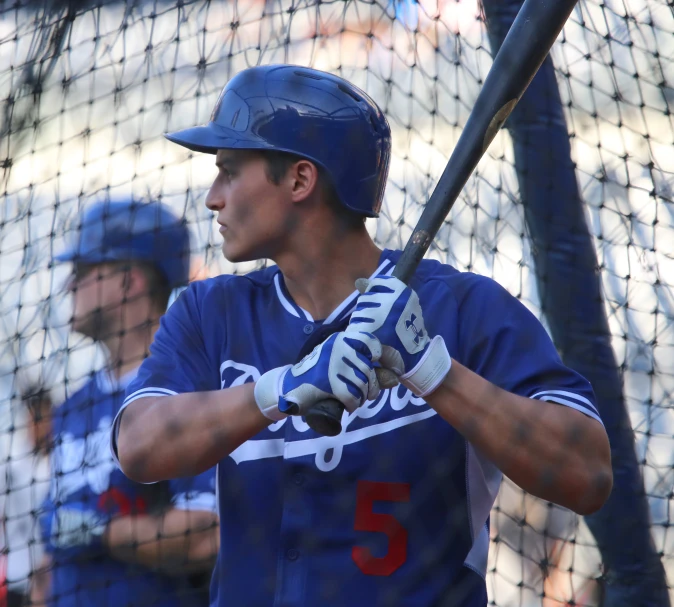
(88, 92)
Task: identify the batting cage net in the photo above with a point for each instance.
(570, 209)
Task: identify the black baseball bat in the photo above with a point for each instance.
(524, 49)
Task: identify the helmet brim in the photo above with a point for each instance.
(75, 256)
(67, 255)
(210, 138)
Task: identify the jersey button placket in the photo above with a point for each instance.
(293, 564)
(292, 554)
(308, 329)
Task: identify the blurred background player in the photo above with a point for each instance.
(111, 541)
(395, 509)
(24, 483)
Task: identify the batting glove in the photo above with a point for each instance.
(67, 528)
(390, 310)
(340, 368)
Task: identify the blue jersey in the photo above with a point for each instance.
(85, 476)
(395, 509)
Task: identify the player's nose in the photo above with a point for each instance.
(215, 199)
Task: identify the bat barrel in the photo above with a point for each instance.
(524, 49)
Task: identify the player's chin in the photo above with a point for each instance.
(236, 254)
(89, 324)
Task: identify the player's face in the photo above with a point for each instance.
(253, 213)
(98, 294)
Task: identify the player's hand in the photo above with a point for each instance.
(66, 528)
(342, 368)
(40, 582)
(391, 311)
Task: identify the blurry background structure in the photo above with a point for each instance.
(88, 90)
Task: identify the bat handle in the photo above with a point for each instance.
(325, 417)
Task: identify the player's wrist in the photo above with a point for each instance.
(267, 392)
(430, 370)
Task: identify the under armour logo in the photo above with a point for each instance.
(410, 326)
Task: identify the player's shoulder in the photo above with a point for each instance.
(439, 279)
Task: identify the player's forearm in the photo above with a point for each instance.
(40, 582)
(179, 541)
(186, 434)
(551, 451)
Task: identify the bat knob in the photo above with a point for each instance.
(325, 417)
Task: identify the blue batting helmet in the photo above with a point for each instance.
(133, 231)
(303, 111)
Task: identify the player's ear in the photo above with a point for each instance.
(135, 282)
(304, 179)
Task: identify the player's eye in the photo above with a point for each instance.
(81, 271)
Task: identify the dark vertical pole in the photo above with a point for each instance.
(571, 298)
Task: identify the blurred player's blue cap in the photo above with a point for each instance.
(128, 230)
(303, 111)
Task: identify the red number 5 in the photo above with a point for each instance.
(369, 492)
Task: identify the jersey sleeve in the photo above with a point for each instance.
(194, 493)
(178, 361)
(502, 341)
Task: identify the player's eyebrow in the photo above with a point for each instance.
(227, 162)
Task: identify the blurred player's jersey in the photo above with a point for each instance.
(394, 511)
(84, 475)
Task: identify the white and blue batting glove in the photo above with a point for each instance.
(340, 368)
(69, 527)
(391, 311)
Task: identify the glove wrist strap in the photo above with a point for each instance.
(267, 392)
(430, 371)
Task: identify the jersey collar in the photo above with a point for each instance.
(343, 310)
(108, 384)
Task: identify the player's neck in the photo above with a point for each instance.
(321, 275)
(128, 349)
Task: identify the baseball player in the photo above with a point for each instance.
(112, 541)
(395, 509)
